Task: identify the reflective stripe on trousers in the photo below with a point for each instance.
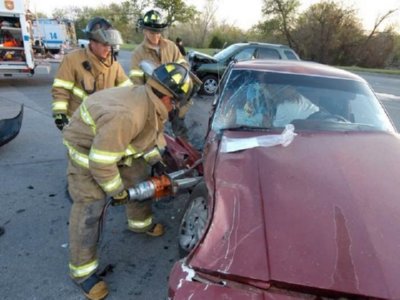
(84, 270)
(140, 225)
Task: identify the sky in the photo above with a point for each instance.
(243, 13)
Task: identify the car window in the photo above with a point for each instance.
(226, 52)
(245, 54)
(268, 53)
(290, 55)
(261, 99)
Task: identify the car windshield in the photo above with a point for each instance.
(265, 100)
(226, 52)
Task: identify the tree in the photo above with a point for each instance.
(225, 35)
(384, 42)
(280, 19)
(329, 33)
(177, 10)
(206, 20)
(196, 32)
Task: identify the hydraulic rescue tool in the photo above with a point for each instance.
(158, 187)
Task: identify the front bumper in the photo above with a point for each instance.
(9, 128)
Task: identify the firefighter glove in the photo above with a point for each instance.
(61, 120)
(173, 114)
(120, 199)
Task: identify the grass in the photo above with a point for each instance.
(370, 70)
(128, 47)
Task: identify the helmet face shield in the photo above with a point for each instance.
(109, 37)
(148, 67)
(101, 30)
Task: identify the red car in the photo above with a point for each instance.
(301, 192)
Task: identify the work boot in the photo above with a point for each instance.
(94, 288)
(155, 230)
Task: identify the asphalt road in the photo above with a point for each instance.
(35, 209)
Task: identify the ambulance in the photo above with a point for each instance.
(16, 52)
(53, 34)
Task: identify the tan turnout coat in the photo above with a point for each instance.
(113, 127)
(74, 83)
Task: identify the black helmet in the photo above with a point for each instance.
(153, 21)
(171, 79)
(176, 79)
(100, 30)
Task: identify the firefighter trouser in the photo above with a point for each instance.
(179, 127)
(177, 119)
(88, 203)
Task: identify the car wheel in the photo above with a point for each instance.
(210, 85)
(194, 220)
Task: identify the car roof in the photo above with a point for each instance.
(296, 67)
(263, 44)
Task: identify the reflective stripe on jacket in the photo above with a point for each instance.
(74, 82)
(167, 53)
(113, 127)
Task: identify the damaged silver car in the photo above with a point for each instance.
(211, 68)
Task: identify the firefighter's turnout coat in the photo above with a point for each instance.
(108, 139)
(80, 74)
(167, 52)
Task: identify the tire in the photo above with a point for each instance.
(210, 85)
(194, 220)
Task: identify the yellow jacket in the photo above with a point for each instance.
(167, 53)
(111, 128)
(80, 74)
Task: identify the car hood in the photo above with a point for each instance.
(321, 213)
(198, 57)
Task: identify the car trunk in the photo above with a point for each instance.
(321, 213)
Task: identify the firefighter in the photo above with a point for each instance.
(159, 50)
(181, 47)
(85, 71)
(113, 139)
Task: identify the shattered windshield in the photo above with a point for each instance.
(266, 100)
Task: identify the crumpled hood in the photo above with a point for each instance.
(195, 56)
(323, 212)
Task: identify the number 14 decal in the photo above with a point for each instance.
(53, 35)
